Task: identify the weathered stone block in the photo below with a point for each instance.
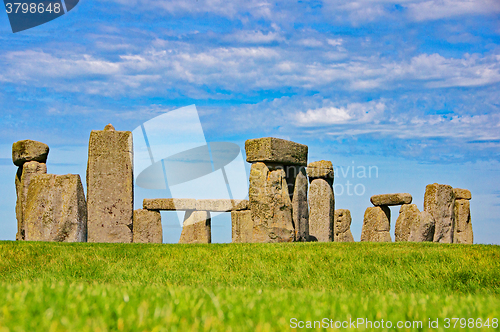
(439, 201)
(376, 224)
(462, 193)
(276, 150)
(300, 208)
(321, 211)
(55, 209)
(110, 182)
(221, 205)
(147, 227)
(391, 199)
(320, 169)
(270, 205)
(169, 204)
(423, 229)
(463, 224)
(28, 150)
(408, 217)
(342, 226)
(242, 226)
(196, 227)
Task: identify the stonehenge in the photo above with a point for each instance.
(321, 201)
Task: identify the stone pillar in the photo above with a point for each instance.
(321, 201)
(408, 217)
(55, 209)
(30, 156)
(147, 227)
(300, 207)
(342, 226)
(423, 228)
(439, 201)
(463, 224)
(110, 182)
(196, 227)
(376, 224)
(242, 226)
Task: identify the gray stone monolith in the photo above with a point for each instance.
(110, 194)
(423, 229)
(55, 209)
(147, 227)
(342, 226)
(408, 216)
(241, 226)
(196, 227)
(300, 207)
(321, 211)
(463, 224)
(439, 201)
(376, 224)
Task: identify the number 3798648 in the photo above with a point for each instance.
(32, 8)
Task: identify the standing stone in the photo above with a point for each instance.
(408, 216)
(241, 226)
(300, 208)
(342, 226)
(423, 229)
(376, 224)
(463, 225)
(439, 201)
(28, 150)
(110, 186)
(147, 227)
(270, 205)
(321, 211)
(55, 209)
(196, 227)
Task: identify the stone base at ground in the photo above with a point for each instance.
(408, 217)
(342, 226)
(147, 227)
(300, 208)
(463, 224)
(376, 224)
(196, 227)
(321, 211)
(241, 226)
(439, 201)
(423, 229)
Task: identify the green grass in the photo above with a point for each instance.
(241, 287)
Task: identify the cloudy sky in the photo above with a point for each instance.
(409, 87)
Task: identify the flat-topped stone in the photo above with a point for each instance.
(28, 150)
(320, 169)
(391, 199)
(169, 204)
(276, 150)
(221, 205)
(462, 193)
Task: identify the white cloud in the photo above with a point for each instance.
(355, 112)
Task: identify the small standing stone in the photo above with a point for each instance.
(300, 207)
(321, 211)
(408, 216)
(439, 201)
(196, 227)
(241, 226)
(463, 225)
(423, 229)
(376, 224)
(147, 227)
(28, 150)
(342, 226)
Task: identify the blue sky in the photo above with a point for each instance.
(410, 87)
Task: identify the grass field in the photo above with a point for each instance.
(245, 287)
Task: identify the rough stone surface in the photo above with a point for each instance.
(169, 204)
(270, 205)
(342, 226)
(110, 192)
(55, 209)
(147, 227)
(391, 199)
(321, 211)
(23, 178)
(196, 227)
(221, 205)
(376, 224)
(423, 229)
(408, 216)
(276, 150)
(320, 169)
(28, 150)
(439, 201)
(462, 193)
(463, 225)
(300, 208)
(242, 226)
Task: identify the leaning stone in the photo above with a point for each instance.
(423, 229)
(391, 199)
(320, 169)
(110, 183)
(221, 205)
(270, 205)
(342, 226)
(276, 150)
(376, 224)
(300, 209)
(439, 201)
(463, 224)
(462, 193)
(408, 216)
(241, 226)
(28, 150)
(196, 227)
(23, 178)
(169, 204)
(55, 209)
(147, 227)
(321, 211)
